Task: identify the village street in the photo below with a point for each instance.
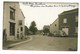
(42, 43)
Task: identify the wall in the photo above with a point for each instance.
(71, 24)
(6, 18)
(54, 26)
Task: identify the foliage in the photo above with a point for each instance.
(33, 27)
(26, 30)
(46, 30)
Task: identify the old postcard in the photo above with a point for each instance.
(40, 26)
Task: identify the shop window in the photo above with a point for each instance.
(12, 28)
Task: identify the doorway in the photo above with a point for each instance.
(66, 30)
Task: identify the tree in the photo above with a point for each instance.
(33, 27)
(26, 30)
(46, 30)
(33, 23)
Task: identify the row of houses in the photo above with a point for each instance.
(67, 21)
(13, 21)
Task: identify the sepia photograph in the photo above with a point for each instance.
(40, 26)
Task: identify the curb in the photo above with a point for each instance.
(12, 45)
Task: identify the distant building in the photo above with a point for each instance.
(68, 22)
(13, 21)
(54, 26)
(46, 26)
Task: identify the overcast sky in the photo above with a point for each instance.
(44, 15)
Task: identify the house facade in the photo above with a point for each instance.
(13, 21)
(68, 22)
(54, 26)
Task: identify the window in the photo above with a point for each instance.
(12, 13)
(12, 28)
(55, 24)
(17, 30)
(64, 20)
(21, 28)
(76, 18)
(20, 22)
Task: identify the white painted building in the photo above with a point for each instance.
(54, 26)
(13, 21)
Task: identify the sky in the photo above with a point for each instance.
(44, 15)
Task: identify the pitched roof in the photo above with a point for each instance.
(69, 11)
